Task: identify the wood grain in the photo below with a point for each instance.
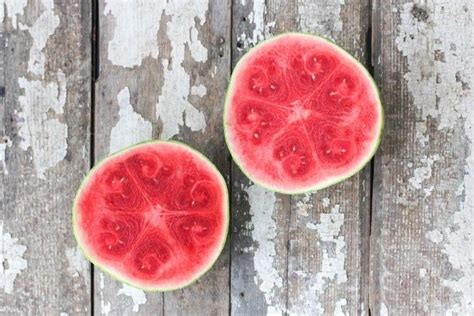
(163, 72)
(422, 259)
(312, 258)
(45, 105)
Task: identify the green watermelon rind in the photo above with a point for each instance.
(320, 185)
(116, 275)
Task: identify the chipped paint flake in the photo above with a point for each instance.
(39, 122)
(320, 20)
(261, 30)
(11, 260)
(199, 90)
(423, 173)
(78, 266)
(264, 232)
(173, 108)
(333, 257)
(434, 236)
(131, 127)
(105, 307)
(326, 202)
(311, 226)
(146, 15)
(13, 8)
(422, 273)
(138, 296)
(5, 142)
(439, 63)
(383, 309)
(304, 205)
(338, 309)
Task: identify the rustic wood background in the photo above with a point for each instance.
(81, 79)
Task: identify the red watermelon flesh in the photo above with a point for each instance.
(301, 114)
(154, 215)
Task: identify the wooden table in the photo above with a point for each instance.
(396, 239)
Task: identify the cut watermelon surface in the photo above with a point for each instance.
(154, 215)
(301, 114)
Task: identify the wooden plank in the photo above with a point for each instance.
(45, 98)
(422, 234)
(308, 254)
(260, 218)
(163, 71)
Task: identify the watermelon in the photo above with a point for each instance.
(301, 114)
(154, 215)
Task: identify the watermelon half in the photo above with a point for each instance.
(154, 215)
(301, 114)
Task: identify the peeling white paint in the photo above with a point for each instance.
(326, 202)
(136, 29)
(138, 296)
(42, 103)
(63, 314)
(43, 27)
(418, 42)
(439, 58)
(199, 90)
(261, 30)
(131, 127)
(333, 257)
(14, 7)
(318, 19)
(423, 173)
(338, 309)
(11, 260)
(434, 236)
(78, 265)
(264, 232)
(40, 128)
(128, 50)
(173, 107)
(304, 205)
(105, 307)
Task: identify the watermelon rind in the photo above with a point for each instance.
(323, 184)
(116, 275)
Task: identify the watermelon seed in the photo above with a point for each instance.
(120, 242)
(260, 90)
(110, 247)
(256, 135)
(272, 87)
(343, 150)
(328, 151)
(313, 77)
(293, 149)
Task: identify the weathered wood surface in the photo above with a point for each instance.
(307, 254)
(44, 153)
(163, 73)
(422, 234)
(164, 67)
